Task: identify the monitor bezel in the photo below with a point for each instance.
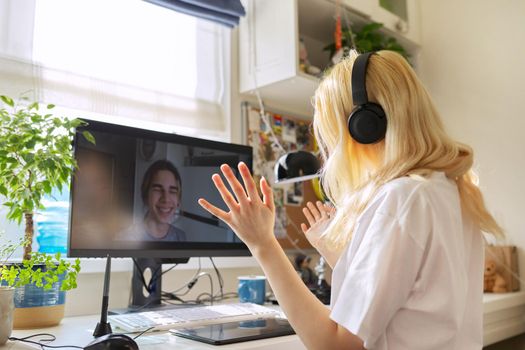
(158, 249)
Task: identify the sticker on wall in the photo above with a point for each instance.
(277, 123)
(289, 131)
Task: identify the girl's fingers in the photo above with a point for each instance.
(314, 211)
(225, 194)
(235, 185)
(322, 209)
(221, 214)
(267, 194)
(249, 184)
(304, 228)
(309, 216)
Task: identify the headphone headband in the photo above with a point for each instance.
(367, 121)
(359, 95)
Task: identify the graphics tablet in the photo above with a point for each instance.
(234, 332)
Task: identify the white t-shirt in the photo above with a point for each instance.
(412, 276)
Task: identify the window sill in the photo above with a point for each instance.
(98, 265)
(503, 316)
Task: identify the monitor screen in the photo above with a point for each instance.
(135, 192)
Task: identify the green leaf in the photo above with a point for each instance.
(47, 186)
(7, 100)
(88, 136)
(50, 106)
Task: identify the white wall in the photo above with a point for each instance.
(472, 63)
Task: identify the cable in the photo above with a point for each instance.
(207, 274)
(174, 295)
(192, 281)
(153, 278)
(143, 332)
(219, 278)
(52, 338)
(155, 275)
(141, 274)
(190, 285)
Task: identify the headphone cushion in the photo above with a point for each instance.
(367, 123)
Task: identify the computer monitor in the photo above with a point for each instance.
(135, 194)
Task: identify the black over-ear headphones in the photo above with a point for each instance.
(367, 121)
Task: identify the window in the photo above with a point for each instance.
(123, 61)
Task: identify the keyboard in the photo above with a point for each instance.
(191, 316)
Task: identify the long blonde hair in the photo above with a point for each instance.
(415, 143)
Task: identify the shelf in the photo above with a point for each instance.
(269, 38)
(292, 94)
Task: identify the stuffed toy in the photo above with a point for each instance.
(493, 281)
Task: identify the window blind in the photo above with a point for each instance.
(225, 12)
(116, 58)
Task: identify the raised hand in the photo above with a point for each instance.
(249, 216)
(319, 216)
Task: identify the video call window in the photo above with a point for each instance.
(131, 191)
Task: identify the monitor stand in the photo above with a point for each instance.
(152, 301)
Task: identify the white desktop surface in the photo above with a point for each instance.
(503, 318)
(78, 331)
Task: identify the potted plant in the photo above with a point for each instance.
(35, 157)
(7, 304)
(6, 313)
(367, 38)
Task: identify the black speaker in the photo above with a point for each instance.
(367, 121)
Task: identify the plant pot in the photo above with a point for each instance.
(36, 307)
(6, 313)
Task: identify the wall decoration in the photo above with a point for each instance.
(292, 134)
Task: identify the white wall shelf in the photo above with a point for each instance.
(269, 38)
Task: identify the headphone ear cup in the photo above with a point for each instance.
(367, 123)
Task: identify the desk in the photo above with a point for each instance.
(78, 331)
(503, 317)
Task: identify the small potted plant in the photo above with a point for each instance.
(35, 157)
(7, 304)
(365, 39)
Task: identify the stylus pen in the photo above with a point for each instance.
(105, 295)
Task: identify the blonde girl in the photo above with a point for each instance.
(404, 234)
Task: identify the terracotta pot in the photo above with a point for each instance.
(7, 306)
